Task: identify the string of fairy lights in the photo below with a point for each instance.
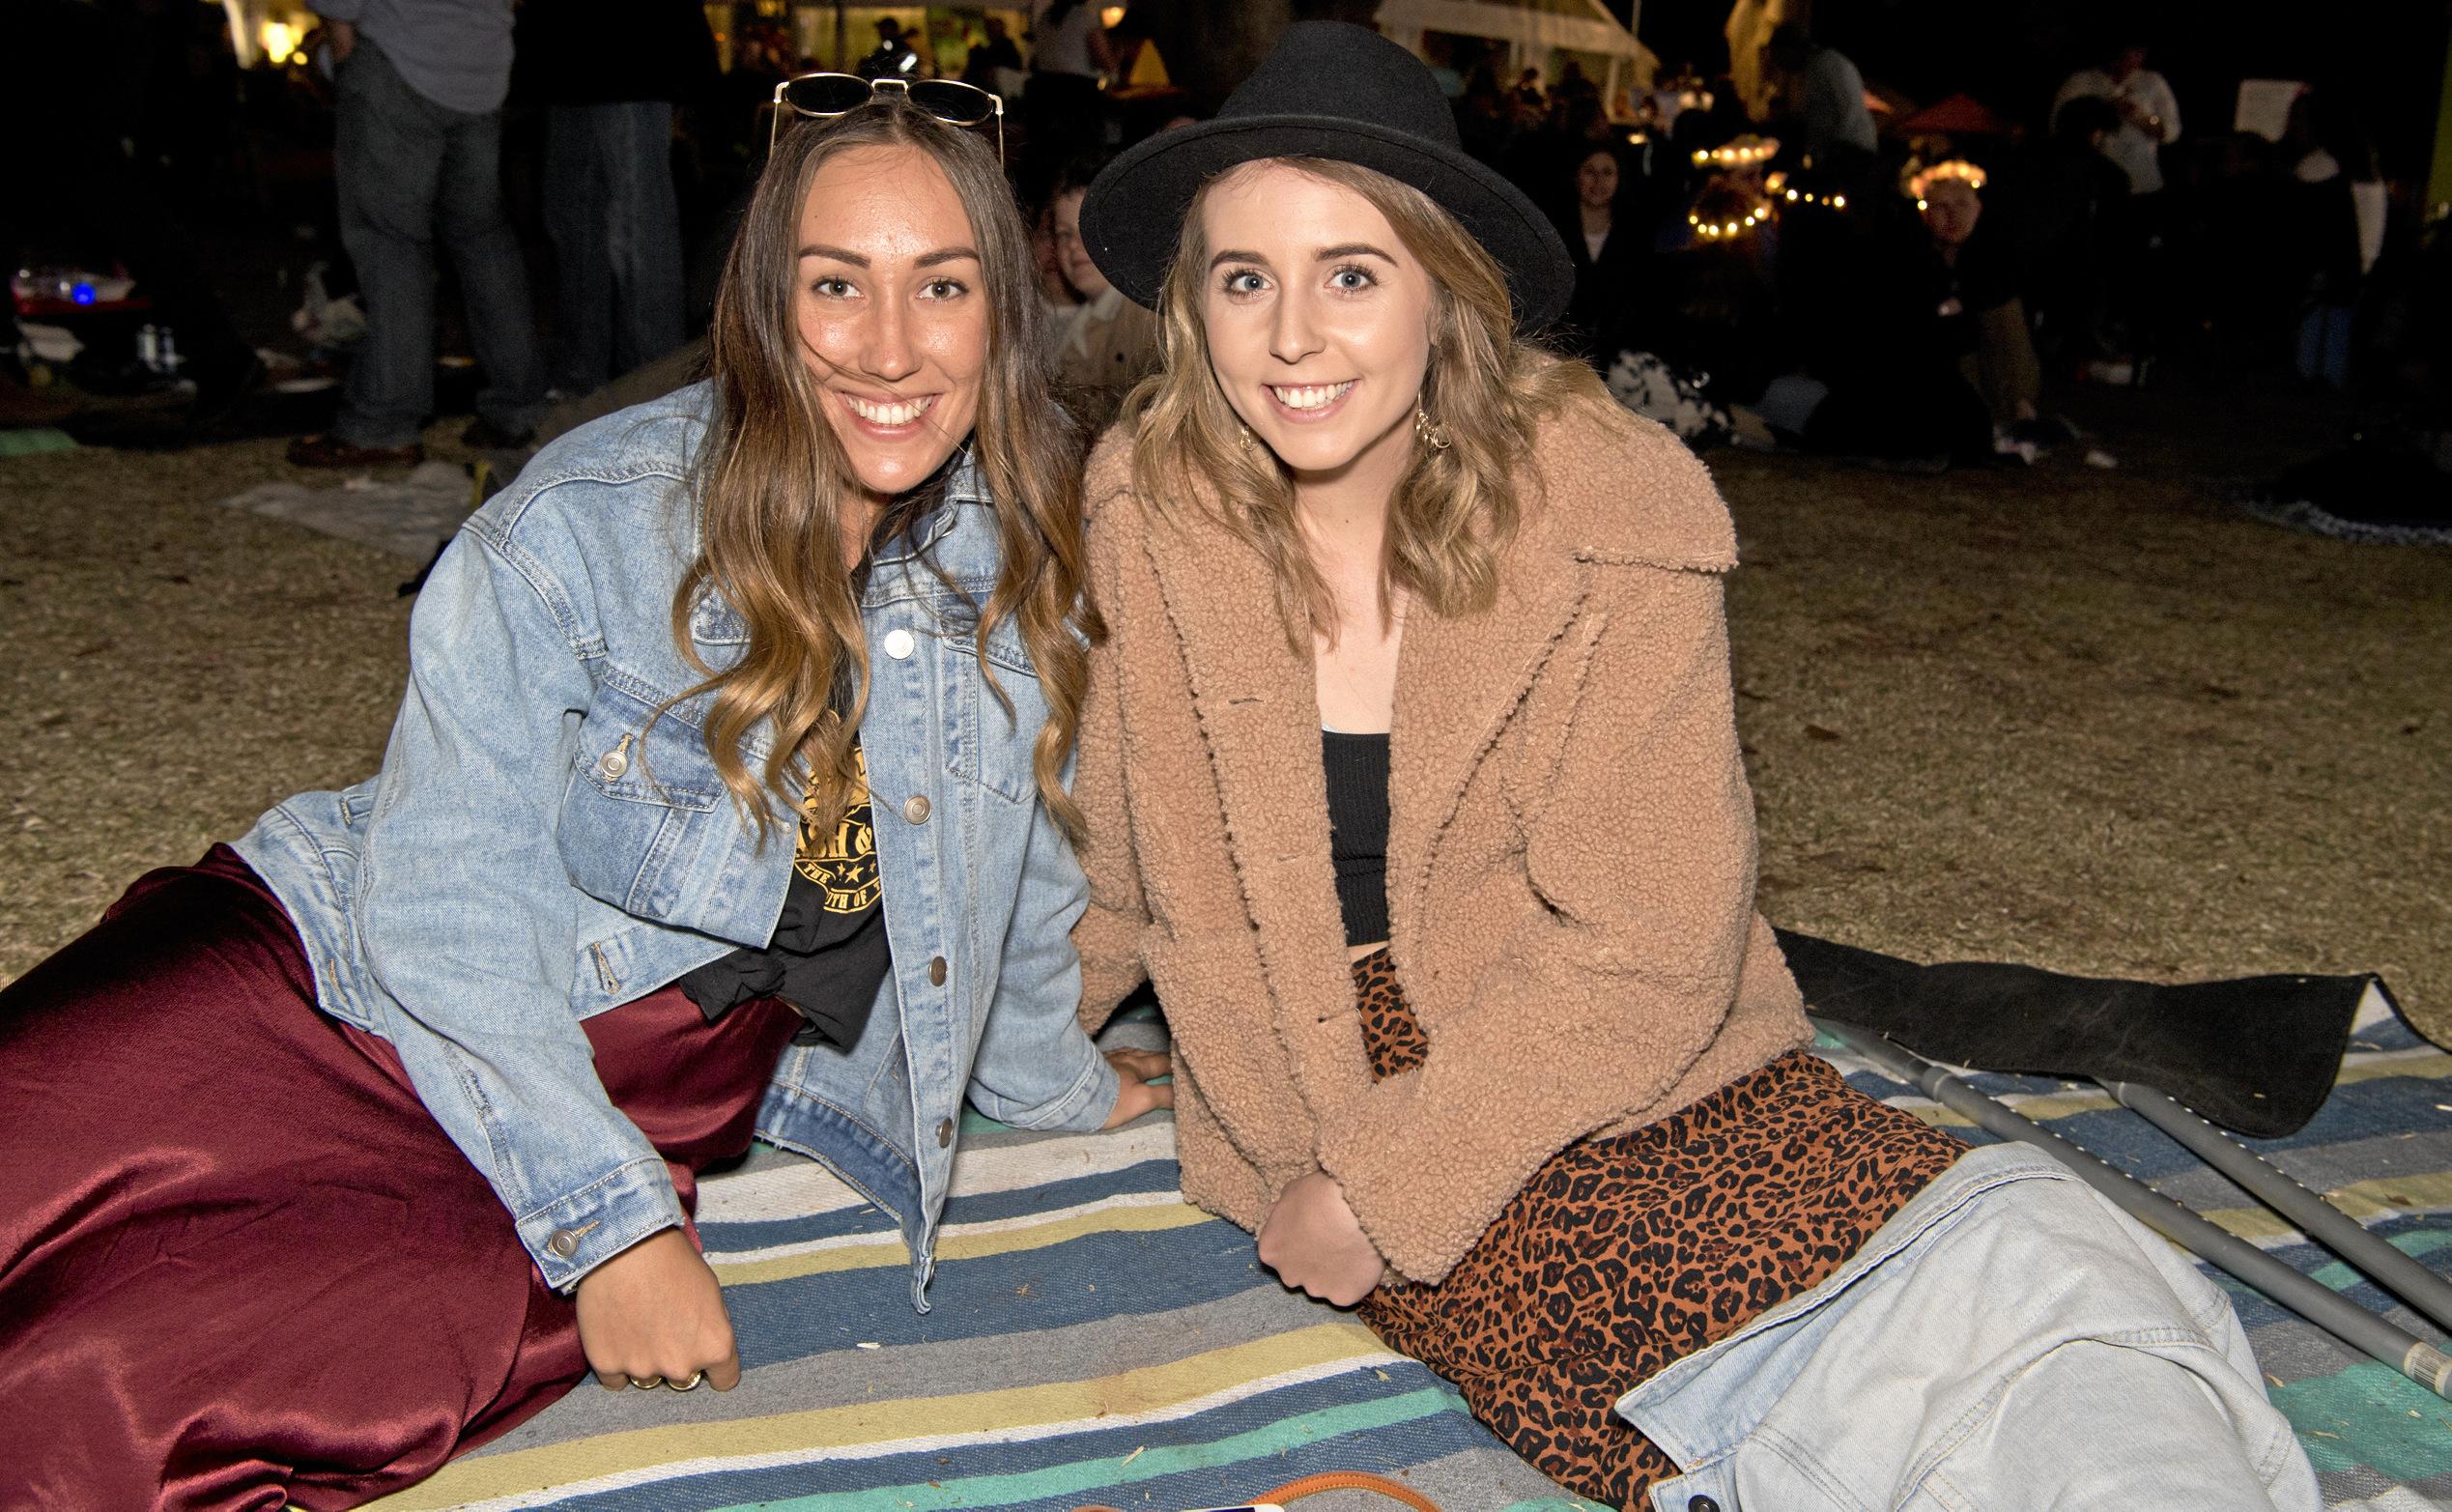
(1724, 222)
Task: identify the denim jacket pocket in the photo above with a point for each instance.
(642, 800)
(993, 745)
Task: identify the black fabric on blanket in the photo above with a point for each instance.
(2256, 1054)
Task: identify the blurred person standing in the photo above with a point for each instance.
(2149, 122)
(417, 157)
(1070, 53)
(1826, 91)
(2148, 112)
(609, 74)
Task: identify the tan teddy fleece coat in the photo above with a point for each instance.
(1571, 848)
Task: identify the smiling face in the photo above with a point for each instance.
(892, 311)
(1596, 181)
(1318, 320)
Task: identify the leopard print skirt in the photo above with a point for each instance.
(1624, 1255)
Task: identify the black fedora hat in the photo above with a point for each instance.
(1327, 90)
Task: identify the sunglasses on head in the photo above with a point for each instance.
(823, 96)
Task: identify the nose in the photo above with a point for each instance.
(1293, 334)
(886, 348)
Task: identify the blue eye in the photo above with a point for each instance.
(1351, 280)
(1244, 280)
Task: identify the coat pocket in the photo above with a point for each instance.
(643, 797)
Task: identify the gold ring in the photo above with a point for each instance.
(692, 1384)
(647, 1385)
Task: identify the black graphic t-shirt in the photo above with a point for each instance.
(830, 950)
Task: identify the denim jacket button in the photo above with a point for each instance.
(1702, 1504)
(613, 765)
(897, 643)
(937, 971)
(562, 1243)
(916, 807)
(944, 1132)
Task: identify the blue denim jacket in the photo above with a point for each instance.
(532, 853)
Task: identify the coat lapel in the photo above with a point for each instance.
(1259, 711)
(1458, 681)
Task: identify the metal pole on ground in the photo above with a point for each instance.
(2316, 1218)
(2345, 1319)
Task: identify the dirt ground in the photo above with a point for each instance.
(2092, 720)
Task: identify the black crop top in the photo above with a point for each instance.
(1356, 768)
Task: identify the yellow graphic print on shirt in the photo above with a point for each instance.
(844, 863)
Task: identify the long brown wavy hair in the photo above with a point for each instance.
(1453, 509)
(772, 489)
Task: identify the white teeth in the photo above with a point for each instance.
(1311, 396)
(901, 413)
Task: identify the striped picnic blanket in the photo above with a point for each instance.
(1093, 1338)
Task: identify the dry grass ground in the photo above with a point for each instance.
(2089, 720)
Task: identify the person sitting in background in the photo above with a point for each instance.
(1971, 284)
(1056, 298)
(1606, 258)
(1111, 343)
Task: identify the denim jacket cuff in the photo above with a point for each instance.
(582, 1231)
(1081, 1107)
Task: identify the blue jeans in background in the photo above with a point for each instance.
(412, 173)
(616, 226)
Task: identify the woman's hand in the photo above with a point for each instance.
(1137, 1069)
(1313, 1241)
(655, 1313)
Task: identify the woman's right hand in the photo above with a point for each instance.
(655, 1313)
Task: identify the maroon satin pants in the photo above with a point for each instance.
(240, 1265)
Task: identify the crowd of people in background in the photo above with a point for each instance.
(1794, 261)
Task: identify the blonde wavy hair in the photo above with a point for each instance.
(1455, 507)
(772, 488)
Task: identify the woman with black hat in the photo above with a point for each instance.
(1409, 629)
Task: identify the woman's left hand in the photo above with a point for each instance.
(1138, 1071)
(1313, 1241)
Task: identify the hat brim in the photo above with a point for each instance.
(1132, 217)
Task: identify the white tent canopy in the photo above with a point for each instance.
(1531, 30)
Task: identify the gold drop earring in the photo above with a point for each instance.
(1430, 432)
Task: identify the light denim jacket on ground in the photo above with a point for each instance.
(532, 853)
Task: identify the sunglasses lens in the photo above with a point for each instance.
(958, 105)
(826, 93)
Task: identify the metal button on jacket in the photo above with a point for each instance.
(613, 765)
(937, 971)
(899, 644)
(562, 1243)
(944, 1132)
(1702, 1504)
(916, 807)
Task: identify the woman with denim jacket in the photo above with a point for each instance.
(1411, 783)
(727, 798)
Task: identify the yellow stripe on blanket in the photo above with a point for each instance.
(964, 1242)
(869, 1429)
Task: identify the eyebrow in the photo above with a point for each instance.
(1325, 254)
(942, 255)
